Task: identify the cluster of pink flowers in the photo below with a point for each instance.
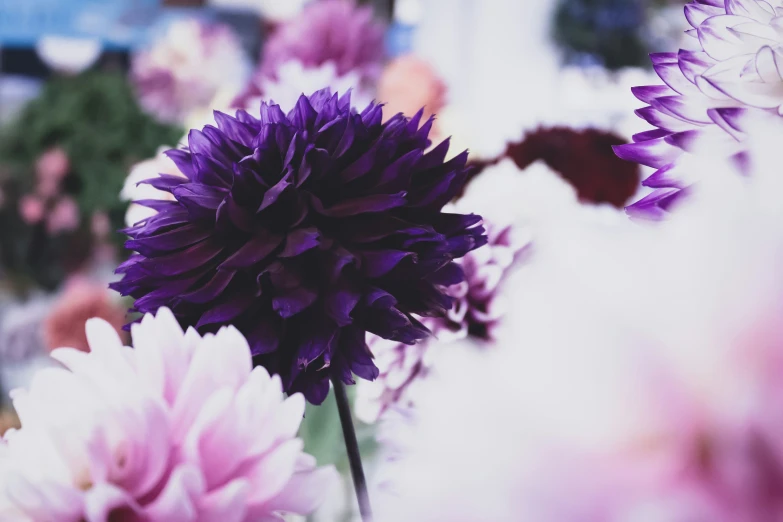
(47, 203)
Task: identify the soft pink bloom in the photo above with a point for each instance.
(181, 428)
(50, 169)
(64, 216)
(100, 224)
(31, 208)
(336, 31)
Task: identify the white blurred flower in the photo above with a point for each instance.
(134, 191)
(639, 379)
(68, 55)
(595, 97)
(294, 79)
(184, 69)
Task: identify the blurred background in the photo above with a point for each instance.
(91, 92)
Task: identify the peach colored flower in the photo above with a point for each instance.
(80, 301)
(409, 83)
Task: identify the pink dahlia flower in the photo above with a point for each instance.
(737, 68)
(178, 429)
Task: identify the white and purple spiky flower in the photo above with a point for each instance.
(737, 70)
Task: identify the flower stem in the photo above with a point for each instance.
(352, 447)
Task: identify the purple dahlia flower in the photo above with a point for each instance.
(477, 311)
(305, 231)
(328, 31)
(737, 70)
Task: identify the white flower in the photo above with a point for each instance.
(186, 67)
(638, 380)
(134, 190)
(737, 69)
(294, 79)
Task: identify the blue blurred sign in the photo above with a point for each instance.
(116, 23)
(399, 39)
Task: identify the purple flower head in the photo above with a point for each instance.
(707, 93)
(329, 31)
(478, 309)
(305, 231)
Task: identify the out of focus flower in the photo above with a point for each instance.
(409, 83)
(583, 158)
(100, 225)
(68, 55)
(224, 101)
(32, 209)
(135, 190)
(705, 93)
(294, 79)
(640, 383)
(50, 170)
(184, 69)
(20, 330)
(81, 300)
(63, 217)
(477, 310)
(328, 31)
(592, 97)
(178, 428)
(8, 420)
(306, 231)
(524, 202)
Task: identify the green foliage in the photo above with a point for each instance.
(94, 117)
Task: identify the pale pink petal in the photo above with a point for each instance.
(225, 504)
(45, 500)
(270, 474)
(306, 491)
(102, 499)
(176, 503)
